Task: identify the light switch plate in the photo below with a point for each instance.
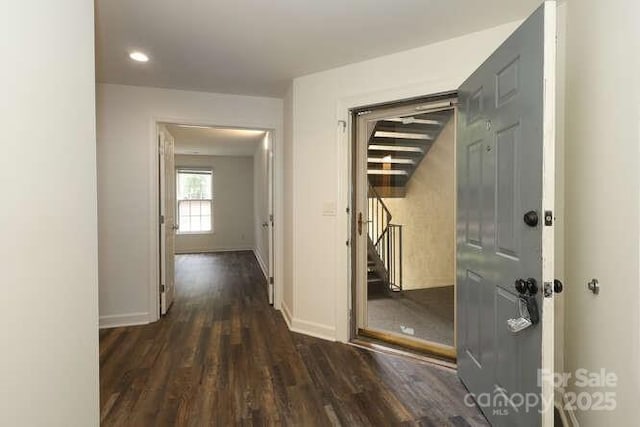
(329, 209)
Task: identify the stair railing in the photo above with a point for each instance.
(386, 238)
(390, 252)
(379, 216)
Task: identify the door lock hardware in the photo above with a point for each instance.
(532, 308)
(527, 290)
(531, 218)
(532, 286)
(548, 289)
(360, 223)
(518, 324)
(529, 317)
(548, 218)
(594, 286)
(529, 286)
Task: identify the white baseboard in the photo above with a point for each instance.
(286, 313)
(212, 251)
(118, 320)
(263, 265)
(305, 327)
(313, 329)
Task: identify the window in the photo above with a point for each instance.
(195, 201)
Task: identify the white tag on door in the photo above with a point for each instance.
(519, 324)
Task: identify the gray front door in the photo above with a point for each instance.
(505, 170)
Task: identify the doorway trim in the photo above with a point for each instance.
(344, 227)
(278, 207)
(438, 102)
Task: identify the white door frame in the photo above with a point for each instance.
(344, 131)
(166, 172)
(270, 208)
(427, 104)
(154, 240)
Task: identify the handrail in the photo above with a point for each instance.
(377, 195)
(378, 214)
(386, 238)
(389, 250)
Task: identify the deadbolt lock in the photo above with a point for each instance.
(531, 218)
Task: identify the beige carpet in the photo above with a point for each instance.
(422, 313)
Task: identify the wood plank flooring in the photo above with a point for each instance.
(223, 356)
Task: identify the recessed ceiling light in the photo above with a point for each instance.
(139, 56)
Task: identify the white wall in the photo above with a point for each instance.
(320, 162)
(48, 256)
(602, 199)
(427, 215)
(127, 183)
(261, 202)
(232, 205)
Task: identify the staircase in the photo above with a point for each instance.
(384, 250)
(396, 147)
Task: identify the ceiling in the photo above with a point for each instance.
(255, 47)
(205, 141)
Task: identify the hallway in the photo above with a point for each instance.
(223, 356)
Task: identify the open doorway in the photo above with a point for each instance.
(216, 195)
(405, 180)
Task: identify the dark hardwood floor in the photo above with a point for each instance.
(223, 356)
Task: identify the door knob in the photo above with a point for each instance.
(532, 286)
(531, 218)
(360, 223)
(265, 224)
(527, 286)
(557, 286)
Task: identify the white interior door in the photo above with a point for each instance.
(505, 169)
(168, 226)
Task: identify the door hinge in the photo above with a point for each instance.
(161, 219)
(162, 289)
(548, 218)
(271, 280)
(347, 242)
